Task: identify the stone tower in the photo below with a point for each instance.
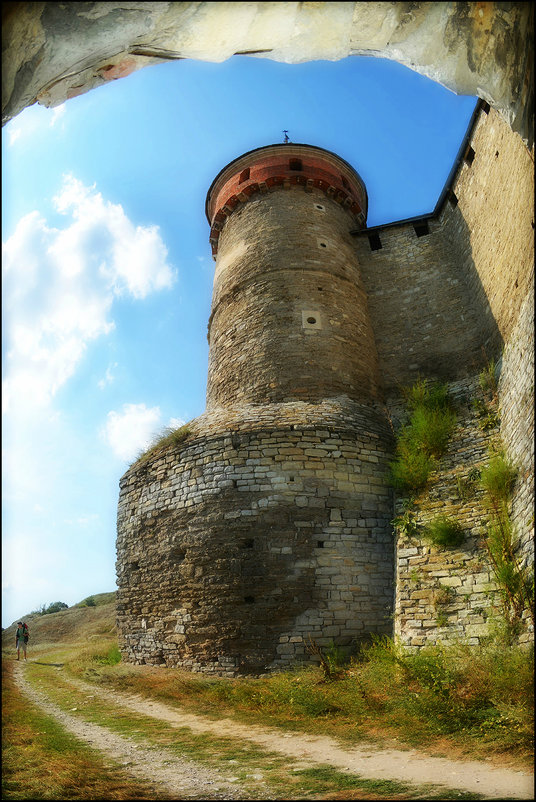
(266, 523)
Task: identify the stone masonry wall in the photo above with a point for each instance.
(516, 400)
(266, 527)
(289, 312)
(442, 306)
(425, 322)
(271, 522)
(495, 195)
(447, 595)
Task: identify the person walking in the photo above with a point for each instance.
(21, 639)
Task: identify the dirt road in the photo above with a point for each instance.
(189, 780)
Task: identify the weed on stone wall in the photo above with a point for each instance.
(515, 582)
(424, 438)
(486, 404)
(169, 437)
(444, 532)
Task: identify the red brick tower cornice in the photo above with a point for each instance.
(274, 166)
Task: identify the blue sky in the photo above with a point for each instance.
(107, 272)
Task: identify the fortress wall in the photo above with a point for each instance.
(289, 313)
(443, 305)
(266, 527)
(516, 398)
(271, 523)
(496, 201)
(495, 196)
(423, 319)
(447, 595)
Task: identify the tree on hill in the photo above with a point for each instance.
(55, 607)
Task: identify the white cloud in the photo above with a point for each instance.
(108, 377)
(176, 423)
(132, 430)
(131, 258)
(59, 287)
(33, 122)
(57, 112)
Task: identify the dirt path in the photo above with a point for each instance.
(367, 761)
(179, 777)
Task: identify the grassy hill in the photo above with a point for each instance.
(77, 623)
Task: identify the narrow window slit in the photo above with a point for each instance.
(375, 242)
(421, 229)
(469, 155)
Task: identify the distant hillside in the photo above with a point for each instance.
(79, 622)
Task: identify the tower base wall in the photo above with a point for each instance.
(268, 527)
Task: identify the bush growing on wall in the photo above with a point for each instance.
(444, 532)
(516, 585)
(424, 438)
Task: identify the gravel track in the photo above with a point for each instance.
(194, 781)
(179, 777)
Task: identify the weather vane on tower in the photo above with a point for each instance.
(286, 139)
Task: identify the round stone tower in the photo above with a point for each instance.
(264, 526)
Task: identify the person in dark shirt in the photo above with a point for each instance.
(21, 639)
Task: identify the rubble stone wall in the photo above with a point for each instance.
(265, 528)
(271, 523)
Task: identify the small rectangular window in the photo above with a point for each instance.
(375, 242)
(421, 229)
(244, 175)
(469, 155)
(295, 164)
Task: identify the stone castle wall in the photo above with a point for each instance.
(444, 303)
(442, 306)
(449, 594)
(271, 523)
(421, 311)
(289, 313)
(266, 527)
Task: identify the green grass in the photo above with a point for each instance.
(166, 439)
(459, 693)
(444, 532)
(40, 760)
(423, 439)
(228, 755)
(456, 701)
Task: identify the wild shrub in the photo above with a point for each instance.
(407, 523)
(452, 689)
(514, 581)
(487, 380)
(427, 395)
(89, 602)
(444, 532)
(411, 469)
(54, 607)
(424, 438)
(167, 437)
(487, 405)
(498, 478)
(431, 428)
